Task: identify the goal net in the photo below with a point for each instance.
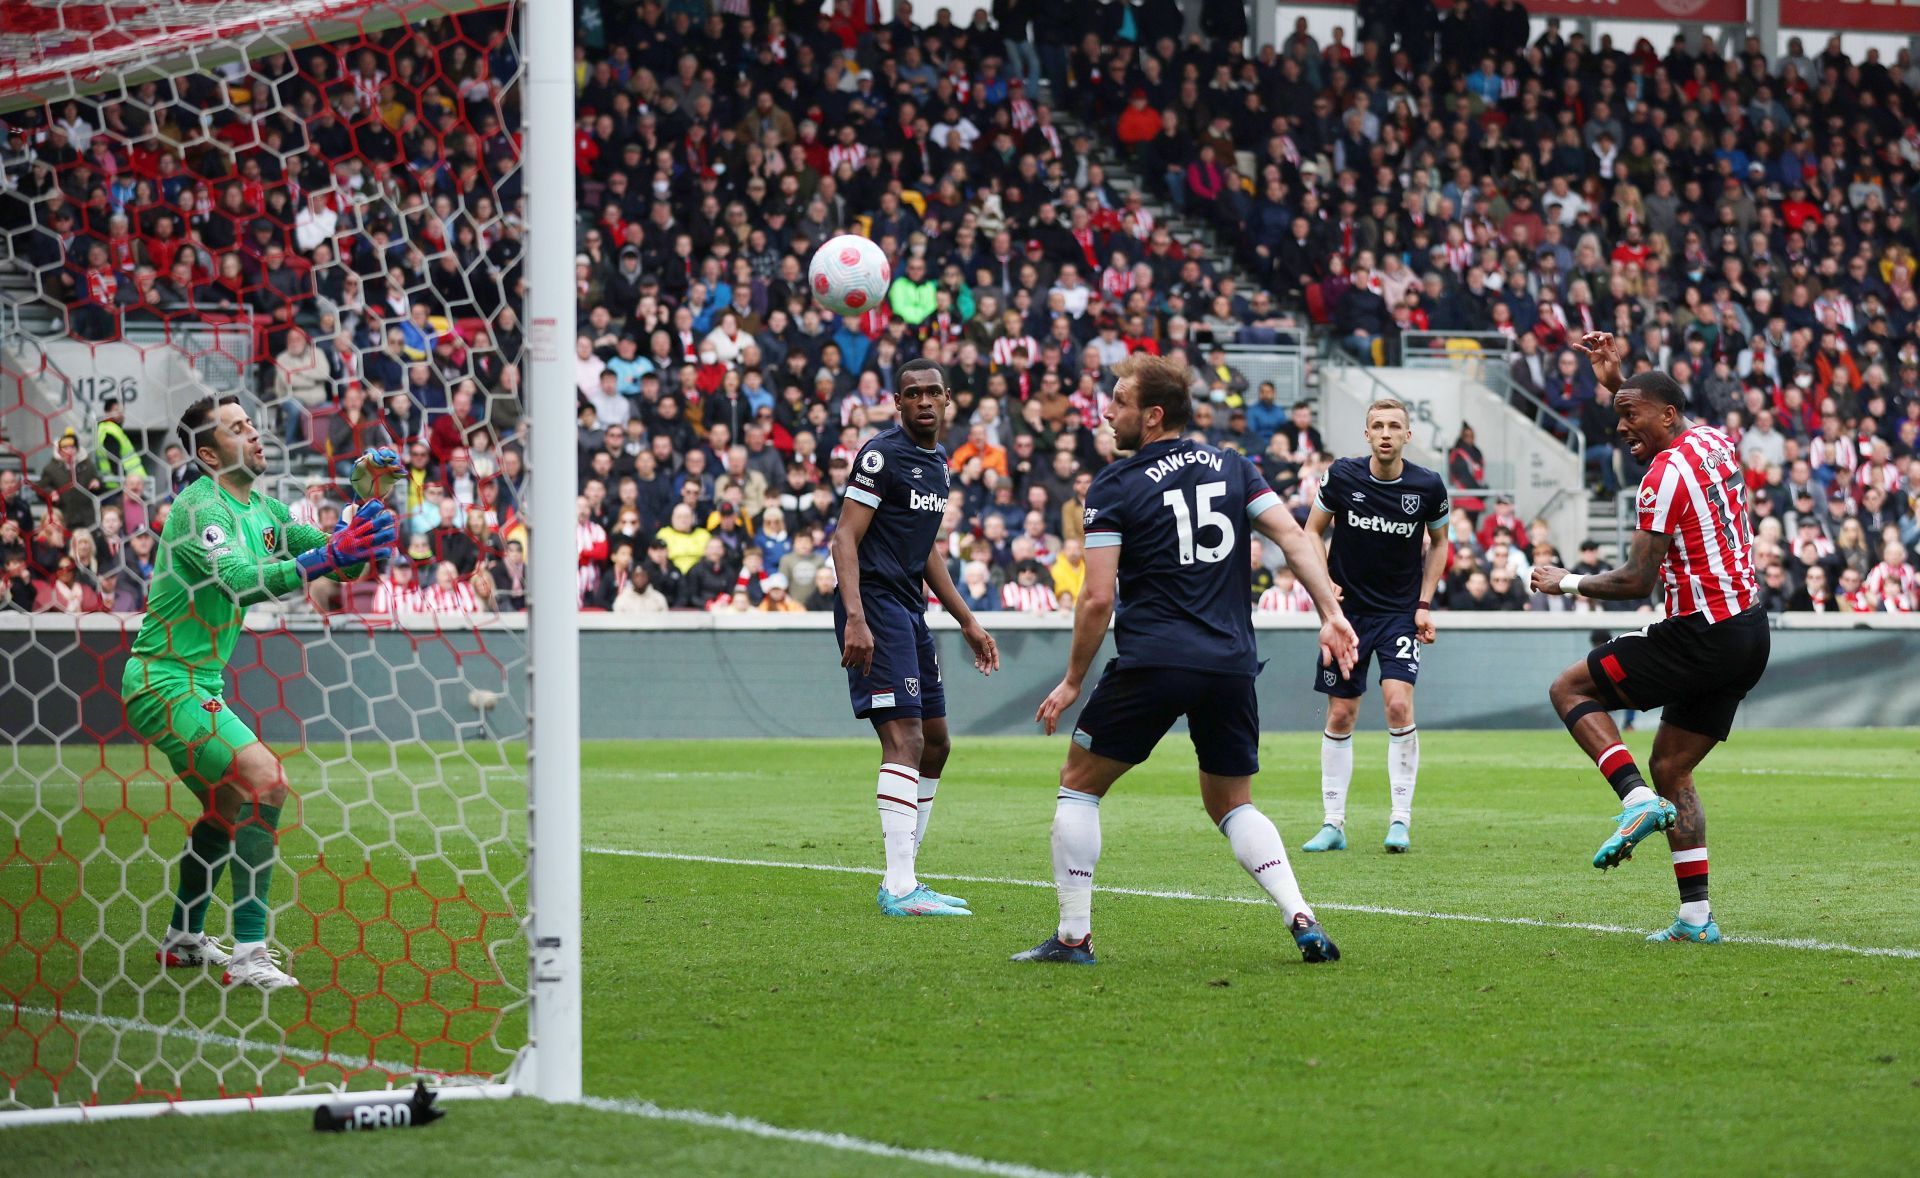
(312, 210)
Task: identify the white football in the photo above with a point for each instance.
(849, 275)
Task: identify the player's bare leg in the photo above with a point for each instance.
(897, 794)
(1085, 778)
(1256, 844)
(1336, 773)
(1676, 753)
(250, 799)
(1576, 699)
(1403, 761)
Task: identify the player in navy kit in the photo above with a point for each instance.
(1379, 507)
(1173, 525)
(884, 555)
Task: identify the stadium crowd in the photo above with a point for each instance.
(1749, 223)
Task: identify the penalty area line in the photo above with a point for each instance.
(1807, 943)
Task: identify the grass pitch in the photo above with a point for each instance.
(1453, 1036)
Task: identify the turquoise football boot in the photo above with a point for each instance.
(1692, 934)
(1330, 838)
(949, 901)
(920, 901)
(1397, 841)
(1634, 823)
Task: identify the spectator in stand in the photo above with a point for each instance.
(1466, 471)
(1027, 593)
(72, 483)
(17, 588)
(1504, 516)
(67, 592)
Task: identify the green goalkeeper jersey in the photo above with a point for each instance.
(217, 556)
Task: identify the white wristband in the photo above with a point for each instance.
(1570, 584)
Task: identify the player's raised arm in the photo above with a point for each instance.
(1091, 615)
(1605, 354)
(855, 517)
(986, 654)
(1308, 560)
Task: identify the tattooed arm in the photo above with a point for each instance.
(1630, 582)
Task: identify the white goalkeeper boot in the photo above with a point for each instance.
(258, 966)
(182, 950)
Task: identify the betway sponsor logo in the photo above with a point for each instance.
(922, 501)
(1172, 463)
(1374, 523)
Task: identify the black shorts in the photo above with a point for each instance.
(1697, 671)
(1391, 637)
(904, 680)
(1132, 709)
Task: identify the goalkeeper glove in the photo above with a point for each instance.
(369, 536)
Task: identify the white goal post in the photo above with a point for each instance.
(437, 815)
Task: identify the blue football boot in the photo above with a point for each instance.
(1397, 841)
(1634, 823)
(1315, 945)
(1057, 951)
(949, 901)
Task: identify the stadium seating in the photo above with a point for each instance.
(1697, 206)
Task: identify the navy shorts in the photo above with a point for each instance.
(1131, 710)
(1389, 636)
(905, 677)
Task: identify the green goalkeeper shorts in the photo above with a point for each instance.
(194, 727)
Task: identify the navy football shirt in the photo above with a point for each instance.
(1375, 553)
(1179, 512)
(907, 488)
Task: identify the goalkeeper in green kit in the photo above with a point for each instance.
(225, 548)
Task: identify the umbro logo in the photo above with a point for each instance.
(1359, 497)
(915, 472)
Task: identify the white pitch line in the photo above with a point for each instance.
(1371, 909)
(840, 1141)
(632, 1108)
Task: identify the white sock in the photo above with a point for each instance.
(1637, 795)
(1403, 767)
(1336, 774)
(928, 787)
(1256, 844)
(899, 814)
(1076, 849)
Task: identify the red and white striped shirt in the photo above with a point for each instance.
(851, 154)
(1839, 455)
(1003, 347)
(1029, 599)
(1897, 587)
(1886, 477)
(457, 598)
(1695, 492)
(592, 541)
(1287, 601)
